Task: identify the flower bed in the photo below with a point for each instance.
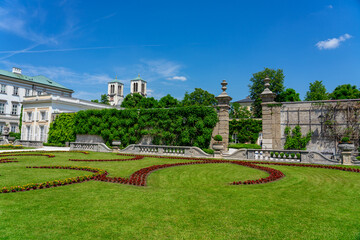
(21, 154)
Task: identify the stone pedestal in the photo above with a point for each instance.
(346, 157)
(222, 127)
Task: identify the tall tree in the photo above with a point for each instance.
(132, 100)
(199, 97)
(317, 91)
(345, 91)
(103, 99)
(257, 86)
(237, 111)
(148, 103)
(168, 101)
(289, 95)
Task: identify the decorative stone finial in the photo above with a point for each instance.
(267, 81)
(267, 95)
(224, 84)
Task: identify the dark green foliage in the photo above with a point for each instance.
(289, 95)
(257, 86)
(148, 103)
(103, 99)
(20, 120)
(183, 126)
(54, 144)
(62, 129)
(218, 138)
(295, 140)
(200, 98)
(345, 140)
(243, 145)
(15, 135)
(132, 100)
(247, 130)
(317, 91)
(237, 111)
(209, 151)
(168, 102)
(345, 91)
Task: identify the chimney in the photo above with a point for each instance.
(16, 70)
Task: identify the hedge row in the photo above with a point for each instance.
(183, 126)
(247, 130)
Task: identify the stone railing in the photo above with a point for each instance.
(162, 150)
(283, 156)
(28, 143)
(94, 147)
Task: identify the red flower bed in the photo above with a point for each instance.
(21, 154)
(107, 160)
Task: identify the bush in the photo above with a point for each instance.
(15, 135)
(298, 155)
(209, 151)
(358, 158)
(247, 130)
(345, 140)
(281, 154)
(62, 129)
(292, 155)
(218, 138)
(286, 155)
(276, 154)
(243, 145)
(295, 141)
(54, 144)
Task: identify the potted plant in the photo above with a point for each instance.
(346, 145)
(287, 155)
(271, 154)
(218, 144)
(281, 154)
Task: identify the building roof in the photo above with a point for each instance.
(36, 79)
(138, 78)
(116, 81)
(245, 100)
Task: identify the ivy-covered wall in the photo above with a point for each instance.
(183, 126)
(247, 130)
(62, 129)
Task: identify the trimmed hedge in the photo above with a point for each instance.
(243, 145)
(182, 126)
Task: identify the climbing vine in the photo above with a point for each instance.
(246, 130)
(295, 140)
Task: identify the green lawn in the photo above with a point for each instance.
(185, 202)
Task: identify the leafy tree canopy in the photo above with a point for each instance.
(257, 86)
(345, 91)
(317, 91)
(132, 100)
(148, 103)
(168, 101)
(199, 97)
(237, 111)
(103, 99)
(289, 95)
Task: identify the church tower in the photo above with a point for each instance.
(115, 92)
(138, 85)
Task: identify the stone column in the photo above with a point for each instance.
(270, 118)
(222, 127)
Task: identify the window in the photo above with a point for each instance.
(135, 87)
(119, 90)
(38, 93)
(112, 89)
(29, 116)
(42, 133)
(3, 88)
(14, 109)
(43, 116)
(16, 91)
(1, 128)
(27, 92)
(2, 108)
(143, 88)
(13, 128)
(28, 134)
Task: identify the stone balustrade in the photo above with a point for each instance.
(94, 147)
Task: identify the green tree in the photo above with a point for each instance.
(148, 103)
(237, 111)
(345, 91)
(168, 101)
(199, 97)
(317, 91)
(103, 99)
(132, 100)
(289, 95)
(257, 86)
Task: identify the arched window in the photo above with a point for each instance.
(112, 89)
(119, 89)
(143, 88)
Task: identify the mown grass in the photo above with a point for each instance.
(187, 202)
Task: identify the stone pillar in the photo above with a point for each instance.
(222, 127)
(271, 126)
(346, 157)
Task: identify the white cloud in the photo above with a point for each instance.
(332, 43)
(330, 6)
(178, 78)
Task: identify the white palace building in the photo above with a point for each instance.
(43, 98)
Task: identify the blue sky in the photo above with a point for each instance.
(181, 45)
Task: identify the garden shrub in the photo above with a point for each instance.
(15, 135)
(281, 154)
(247, 130)
(243, 145)
(209, 151)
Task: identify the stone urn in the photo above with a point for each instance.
(346, 147)
(218, 146)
